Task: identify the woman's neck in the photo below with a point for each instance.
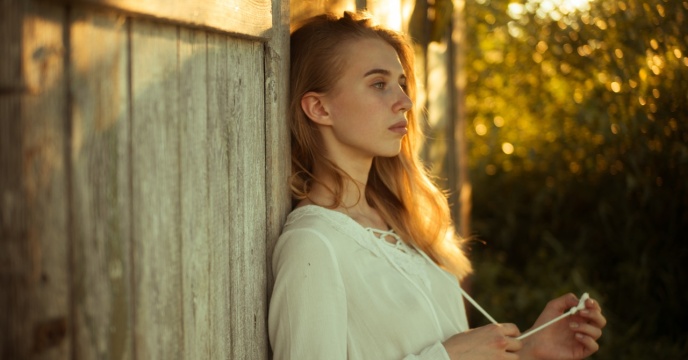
(352, 202)
(352, 193)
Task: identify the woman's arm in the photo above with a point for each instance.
(307, 317)
(490, 342)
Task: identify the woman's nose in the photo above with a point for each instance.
(404, 102)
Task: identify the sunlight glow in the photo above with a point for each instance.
(564, 6)
(555, 9)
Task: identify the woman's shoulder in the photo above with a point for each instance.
(313, 225)
(319, 219)
(310, 232)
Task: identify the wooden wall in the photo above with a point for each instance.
(143, 160)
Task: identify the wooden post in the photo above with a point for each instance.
(101, 194)
(34, 190)
(277, 157)
(196, 248)
(458, 96)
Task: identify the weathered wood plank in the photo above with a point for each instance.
(247, 200)
(196, 248)
(158, 300)
(34, 241)
(218, 190)
(100, 197)
(244, 17)
(277, 153)
(15, 331)
(11, 15)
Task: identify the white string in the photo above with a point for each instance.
(573, 310)
(470, 299)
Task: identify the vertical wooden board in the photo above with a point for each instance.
(100, 185)
(155, 191)
(247, 200)
(40, 234)
(218, 136)
(11, 14)
(194, 194)
(277, 153)
(14, 250)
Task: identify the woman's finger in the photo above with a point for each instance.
(586, 329)
(513, 345)
(510, 330)
(593, 313)
(590, 344)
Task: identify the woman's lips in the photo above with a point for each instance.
(400, 127)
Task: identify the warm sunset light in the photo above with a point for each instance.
(554, 9)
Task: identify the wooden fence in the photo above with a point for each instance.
(144, 155)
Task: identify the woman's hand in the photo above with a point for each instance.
(491, 342)
(573, 337)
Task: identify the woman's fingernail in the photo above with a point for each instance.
(579, 335)
(573, 325)
(585, 312)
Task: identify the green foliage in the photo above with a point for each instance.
(579, 164)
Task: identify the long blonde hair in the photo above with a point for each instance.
(398, 187)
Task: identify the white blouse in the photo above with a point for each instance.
(343, 292)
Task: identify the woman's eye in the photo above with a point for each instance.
(379, 85)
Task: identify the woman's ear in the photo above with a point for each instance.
(313, 106)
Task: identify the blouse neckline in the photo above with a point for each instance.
(402, 256)
(340, 214)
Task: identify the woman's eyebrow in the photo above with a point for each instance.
(382, 72)
(378, 71)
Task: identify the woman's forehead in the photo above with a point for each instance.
(364, 55)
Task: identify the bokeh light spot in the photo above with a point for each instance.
(508, 148)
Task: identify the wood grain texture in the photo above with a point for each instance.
(101, 200)
(242, 17)
(247, 200)
(277, 145)
(35, 241)
(218, 139)
(196, 247)
(138, 160)
(15, 288)
(158, 296)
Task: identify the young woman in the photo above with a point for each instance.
(367, 266)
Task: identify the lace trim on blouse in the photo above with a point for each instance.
(402, 256)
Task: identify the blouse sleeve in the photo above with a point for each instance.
(307, 316)
(435, 351)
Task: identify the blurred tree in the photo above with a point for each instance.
(579, 163)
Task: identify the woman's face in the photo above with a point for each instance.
(366, 107)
